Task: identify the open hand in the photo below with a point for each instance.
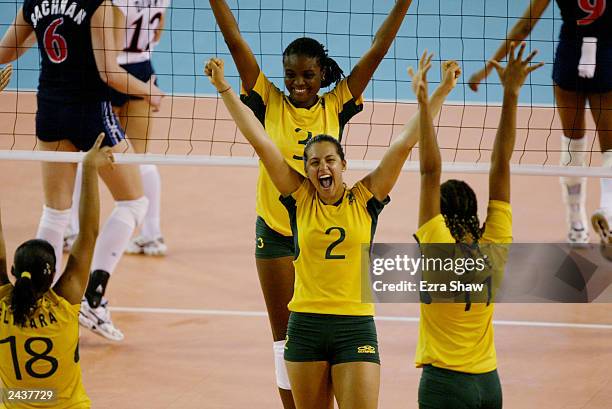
(419, 79)
(513, 75)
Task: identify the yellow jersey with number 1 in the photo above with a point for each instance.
(290, 128)
(43, 354)
(329, 242)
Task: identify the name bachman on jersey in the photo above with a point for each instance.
(40, 321)
(51, 7)
(143, 4)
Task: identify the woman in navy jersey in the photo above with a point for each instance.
(78, 64)
(582, 71)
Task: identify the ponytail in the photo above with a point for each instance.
(23, 302)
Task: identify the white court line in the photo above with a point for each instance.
(380, 318)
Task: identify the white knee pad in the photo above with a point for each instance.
(55, 220)
(144, 169)
(131, 212)
(282, 378)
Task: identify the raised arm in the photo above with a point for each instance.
(362, 72)
(19, 37)
(241, 52)
(73, 282)
(430, 161)
(103, 31)
(3, 271)
(284, 177)
(383, 178)
(519, 32)
(512, 78)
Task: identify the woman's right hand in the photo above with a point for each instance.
(477, 78)
(215, 73)
(5, 76)
(156, 95)
(99, 156)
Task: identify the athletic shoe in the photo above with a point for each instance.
(99, 321)
(69, 240)
(577, 235)
(602, 225)
(141, 245)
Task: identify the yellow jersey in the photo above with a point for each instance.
(43, 354)
(290, 128)
(329, 242)
(449, 336)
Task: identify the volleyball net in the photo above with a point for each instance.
(193, 126)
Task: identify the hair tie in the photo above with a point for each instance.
(26, 274)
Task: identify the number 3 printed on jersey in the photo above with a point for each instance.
(55, 44)
(594, 10)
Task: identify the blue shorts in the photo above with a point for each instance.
(565, 68)
(141, 70)
(79, 122)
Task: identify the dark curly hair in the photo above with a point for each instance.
(310, 47)
(459, 207)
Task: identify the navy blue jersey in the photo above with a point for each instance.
(68, 68)
(586, 18)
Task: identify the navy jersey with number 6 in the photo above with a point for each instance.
(68, 67)
(586, 18)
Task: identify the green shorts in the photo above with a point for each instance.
(445, 389)
(333, 338)
(271, 244)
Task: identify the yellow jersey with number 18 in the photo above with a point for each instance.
(329, 242)
(290, 128)
(43, 354)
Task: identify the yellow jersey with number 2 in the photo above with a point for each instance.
(329, 242)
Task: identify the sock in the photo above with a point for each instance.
(73, 227)
(151, 182)
(116, 233)
(52, 226)
(573, 153)
(606, 183)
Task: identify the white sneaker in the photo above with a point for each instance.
(99, 321)
(578, 234)
(602, 225)
(141, 245)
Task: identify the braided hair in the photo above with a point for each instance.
(310, 47)
(34, 268)
(459, 207)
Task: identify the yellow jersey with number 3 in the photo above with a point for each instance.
(329, 242)
(43, 354)
(290, 128)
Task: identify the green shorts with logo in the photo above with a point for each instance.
(333, 338)
(271, 244)
(441, 388)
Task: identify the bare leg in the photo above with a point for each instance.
(311, 384)
(356, 385)
(276, 277)
(570, 106)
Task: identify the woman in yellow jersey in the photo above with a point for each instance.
(291, 121)
(331, 347)
(39, 325)
(455, 347)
